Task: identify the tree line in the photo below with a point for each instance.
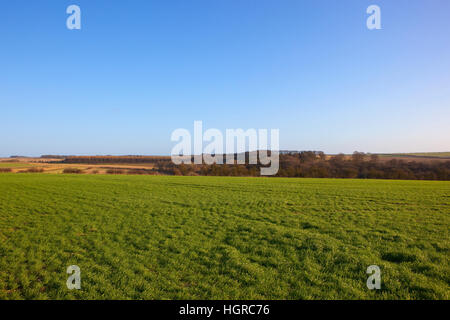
(304, 164)
(111, 159)
(312, 164)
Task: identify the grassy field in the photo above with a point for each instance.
(160, 237)
(444, 155)
(56, 166)
(430, 154)
(16, 165)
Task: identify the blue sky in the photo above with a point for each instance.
(137, 70)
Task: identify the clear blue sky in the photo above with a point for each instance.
(137, 70)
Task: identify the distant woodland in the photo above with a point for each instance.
(306, 164)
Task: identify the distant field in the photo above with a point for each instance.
(419, 155)
(161, 237)
(16, 165)
(431, 154)
(55, 166)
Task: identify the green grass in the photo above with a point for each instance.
(156, 237)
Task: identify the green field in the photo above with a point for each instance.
(420, 154)
(433, 154)
(159, 237)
